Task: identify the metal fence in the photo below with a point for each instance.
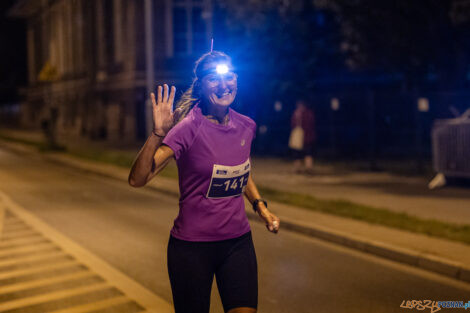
(365, 124)
(451, 146)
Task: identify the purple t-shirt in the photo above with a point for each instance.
(213, 166)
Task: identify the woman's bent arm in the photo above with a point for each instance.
(252, 193)
(152, 158)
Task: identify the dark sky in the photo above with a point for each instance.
(12, 54)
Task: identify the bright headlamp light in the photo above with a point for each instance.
(221, 69)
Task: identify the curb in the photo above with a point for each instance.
(423, 261)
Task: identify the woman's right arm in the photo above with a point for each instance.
(154, 156)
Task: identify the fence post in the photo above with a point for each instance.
(422, 105)
(334, 107)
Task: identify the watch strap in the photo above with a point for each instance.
(255, 204)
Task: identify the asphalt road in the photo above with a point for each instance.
(129, 228)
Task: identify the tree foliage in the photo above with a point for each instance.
(286, 44)
(421, 39)
(296, 42)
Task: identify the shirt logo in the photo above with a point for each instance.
(242, 143)
(221, 172)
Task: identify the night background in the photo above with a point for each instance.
(376, 58)
(13, 60)
(374, 217)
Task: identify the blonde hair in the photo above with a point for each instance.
(193, 95)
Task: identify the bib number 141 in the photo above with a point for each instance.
(228, 181)
(233, 184)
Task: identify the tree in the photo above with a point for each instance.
(284, 44)
(422, 39)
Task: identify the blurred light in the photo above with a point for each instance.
(423, 104)
(278, 106)
(263, 129)
(221, 69)
(334, 104)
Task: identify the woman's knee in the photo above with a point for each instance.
(242, 310)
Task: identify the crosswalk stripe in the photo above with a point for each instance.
(12, 221)
(47, 253)
(45, 281)
(26, 254)
(15, 304)
(34, 264)
(95, 305)
(17, 227)
(29, 248)
(38, 269)
(14, 235)
(132, 289)
(21, 241)
(31, 258)
(29, 235)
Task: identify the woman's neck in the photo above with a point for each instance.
(215, 113)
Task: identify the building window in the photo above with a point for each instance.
(180, 31)
(189, 26)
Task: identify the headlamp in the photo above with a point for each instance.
(221, 69)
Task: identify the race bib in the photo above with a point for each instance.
(228, 181)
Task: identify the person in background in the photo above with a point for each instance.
(302, 138)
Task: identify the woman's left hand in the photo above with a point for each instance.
(272, 221)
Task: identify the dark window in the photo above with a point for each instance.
(180, 30)
(199, 31)
(109, 31)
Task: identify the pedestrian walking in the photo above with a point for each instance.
(302, 137)
(211, 144)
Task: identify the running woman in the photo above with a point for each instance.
(211, 144)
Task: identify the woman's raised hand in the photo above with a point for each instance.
(163, 116)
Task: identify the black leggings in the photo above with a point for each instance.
(192, 265)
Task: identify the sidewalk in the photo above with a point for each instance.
(378, 189)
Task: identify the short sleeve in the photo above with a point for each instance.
(250, 124)
(245, 122)
(181, 137)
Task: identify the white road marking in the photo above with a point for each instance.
(21, 241)
(32, 249)
(114, 278)
(15, 304)
(40, 268)
(11, 221)
(44, 282)
(18, 234)
(15, 227)
(94, 305)
(31, 258)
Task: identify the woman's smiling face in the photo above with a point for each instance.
(218, 89)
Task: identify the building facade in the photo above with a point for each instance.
(89, 61)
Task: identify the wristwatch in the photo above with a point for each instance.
(255, 204)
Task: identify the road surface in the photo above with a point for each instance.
(129, 229)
